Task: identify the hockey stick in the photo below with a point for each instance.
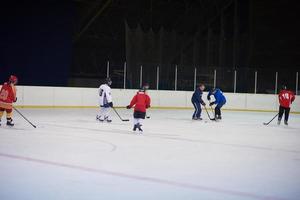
(212, 110)
(24, 117)
(124, 120)
(213, 119)
(267, 123)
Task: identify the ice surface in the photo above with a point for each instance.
(72, 156)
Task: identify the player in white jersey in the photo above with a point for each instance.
(105, 101)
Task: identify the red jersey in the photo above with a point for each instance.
(141, 101)
(7, 95)
(286, 97)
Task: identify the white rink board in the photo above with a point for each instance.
(81, 97)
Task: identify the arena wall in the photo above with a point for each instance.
(60, 97)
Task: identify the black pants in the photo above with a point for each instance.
(139, 115)
(286, 112)
(197, 113)
(218, 108)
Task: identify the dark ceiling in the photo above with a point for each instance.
(180, 15)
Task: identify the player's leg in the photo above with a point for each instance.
(199, 111)
(107, 114)
(286, 115)
(135, 122)
(139, 116)
(9, 119)
(100, 115)
(219, 110)
(280, 114)
(195, 112)
(1, 114)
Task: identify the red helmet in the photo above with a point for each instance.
(13, 79)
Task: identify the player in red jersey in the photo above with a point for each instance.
(286, 98)
(141, 101)
(8, 95)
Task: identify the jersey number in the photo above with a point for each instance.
(4, 94)
(286, 96)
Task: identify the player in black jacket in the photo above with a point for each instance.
(197, 102)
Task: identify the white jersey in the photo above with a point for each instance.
(105, 97)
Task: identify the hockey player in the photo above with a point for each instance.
(197, 102)
(286, 98)
(141, 102)
(105, 101)
(8, 95)
(220, 101)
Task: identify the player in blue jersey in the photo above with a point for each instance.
(197, 102)
(220, 101)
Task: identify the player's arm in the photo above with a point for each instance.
(208, 95)
(108, 96)
(14, 93)
(293, 97)
(100, 91)
(201, 100)
(279, 96)
(148, 101)
(133, 102)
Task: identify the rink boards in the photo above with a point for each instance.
(63, 97)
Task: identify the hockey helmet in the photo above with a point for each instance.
(145, 87)
(108, 81)
(13, 79)
(283, 87)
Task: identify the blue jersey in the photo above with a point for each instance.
(197, 96)
(218, 94)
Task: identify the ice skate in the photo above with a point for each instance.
(286, 122)
(138, 126)
(99, 118)
(10, 122)
(107, 120)
(134, 127)
(279, 121)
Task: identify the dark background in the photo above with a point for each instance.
(68, 43)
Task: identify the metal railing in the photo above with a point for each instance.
(180, 77)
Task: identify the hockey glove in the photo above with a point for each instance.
(15, 100)
(111, 104)
(128, 107)
(212, 103)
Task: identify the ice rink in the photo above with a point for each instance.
(72, 156)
